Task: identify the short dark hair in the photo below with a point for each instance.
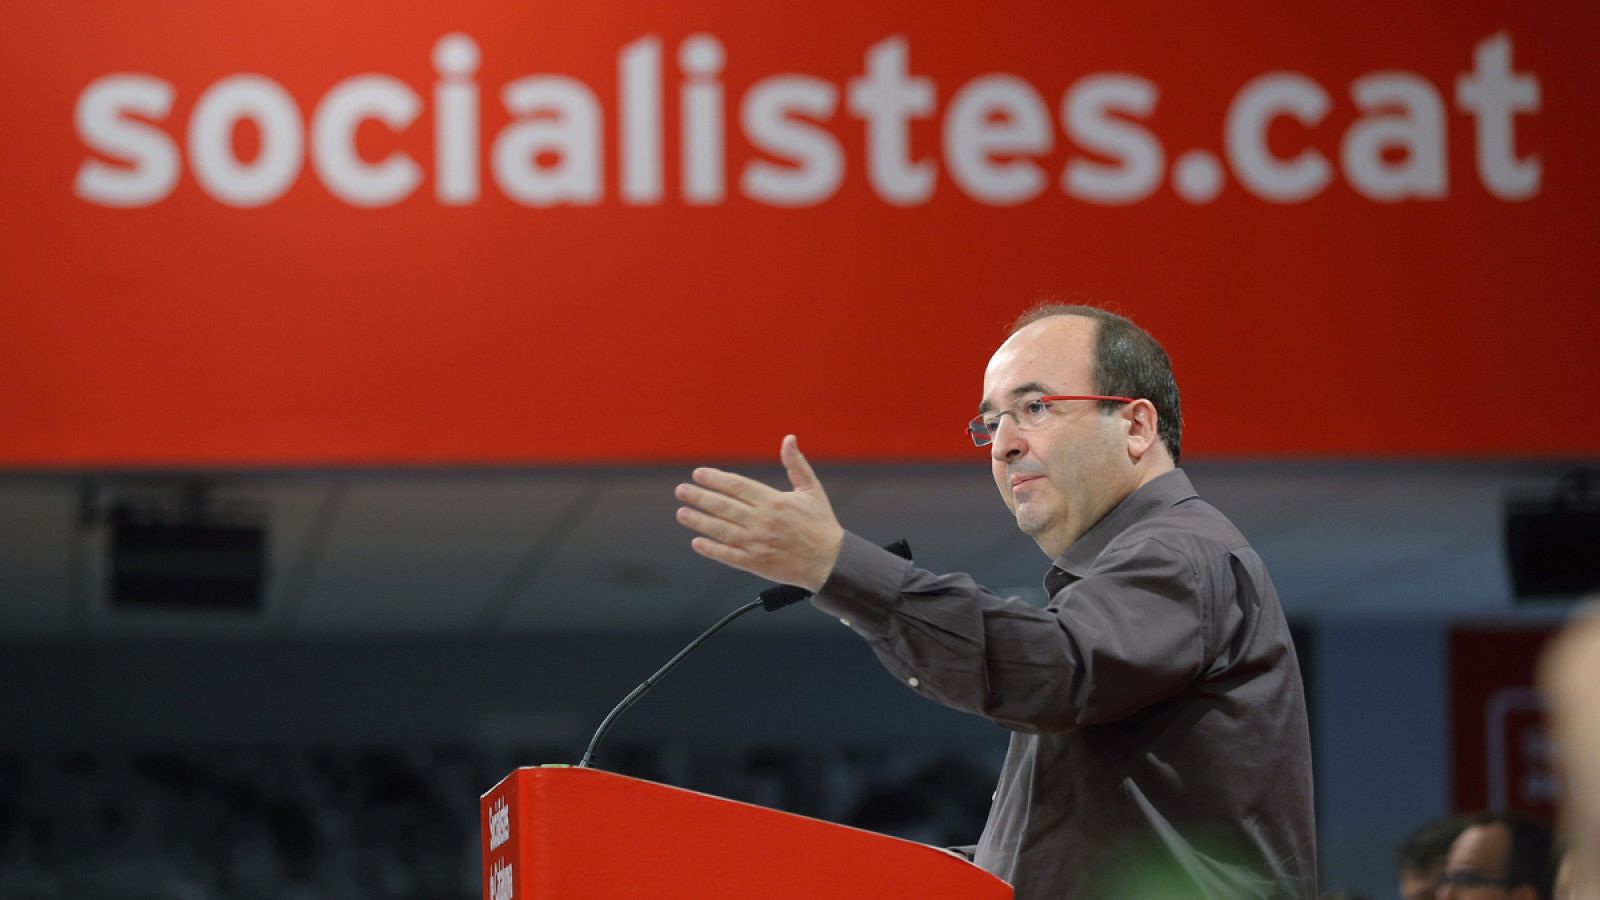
(1429, 844)
(1531, 841)
(1128, 362)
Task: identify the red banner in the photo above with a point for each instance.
(494, 232)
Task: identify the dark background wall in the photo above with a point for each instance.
(758, 714)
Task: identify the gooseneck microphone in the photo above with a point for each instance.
(772, 599)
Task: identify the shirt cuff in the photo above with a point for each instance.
(863, 587)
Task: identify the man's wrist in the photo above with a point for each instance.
(825, 569)
(863, 586)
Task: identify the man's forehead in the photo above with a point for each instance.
(1483, 845)
(1057, 351)
(1015, 393)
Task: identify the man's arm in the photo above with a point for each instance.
(1129, 635)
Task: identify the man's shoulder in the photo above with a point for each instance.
(1191, 528)
(1163, 519)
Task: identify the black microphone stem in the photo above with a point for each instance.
(773, 598)
(645, 686)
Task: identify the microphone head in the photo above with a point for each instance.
(777, 597)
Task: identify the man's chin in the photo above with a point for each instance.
(1030, 522)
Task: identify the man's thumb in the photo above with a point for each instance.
(800, 473)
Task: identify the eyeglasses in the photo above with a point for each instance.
(1028, 414)
(1466, 880)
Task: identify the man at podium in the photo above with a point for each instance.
(1159, 744)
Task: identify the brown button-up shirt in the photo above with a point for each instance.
(1159, 745)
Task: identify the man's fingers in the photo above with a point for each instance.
(736, 486)
(720, 505)
(722, 553)
(712, 527)
(794, 462)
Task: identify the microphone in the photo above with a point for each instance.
(777, 597)
(772, 599)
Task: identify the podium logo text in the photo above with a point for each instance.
(499, 824)
(500, 884)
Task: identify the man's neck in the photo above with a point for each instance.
(1149, 469)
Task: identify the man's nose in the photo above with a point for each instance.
(1008, 443)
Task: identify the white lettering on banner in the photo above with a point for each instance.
(1494, 94)
(886, 98)
(229, 102)
(499, 823)
(559, 116)
(701, 59)
(819, 161)
(997, 114)
(1418, 130)
(1197, 177)
(153, 156)
(455, 137)
(500, 883)
(333, 140)
(996, 132)
(1261, 101)
(639, 71)
(1085, 110)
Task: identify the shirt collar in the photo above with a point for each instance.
(1157, 495)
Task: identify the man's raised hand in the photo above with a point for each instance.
(790, 537)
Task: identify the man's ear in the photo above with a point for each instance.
(1143, 431)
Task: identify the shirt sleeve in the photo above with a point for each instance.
(1129, 634)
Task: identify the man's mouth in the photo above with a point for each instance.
(1020, 480)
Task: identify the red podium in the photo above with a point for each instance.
(563, 833)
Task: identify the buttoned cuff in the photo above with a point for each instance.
(863, 587)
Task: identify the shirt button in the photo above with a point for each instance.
(913, 681)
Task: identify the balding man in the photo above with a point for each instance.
(1498, 856)
(1422, 857)
(1159, 745)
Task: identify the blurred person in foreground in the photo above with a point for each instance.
(1568, 882)
(1159, 745)
(1422, 855)
(1498, 855)
(1569, 675)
